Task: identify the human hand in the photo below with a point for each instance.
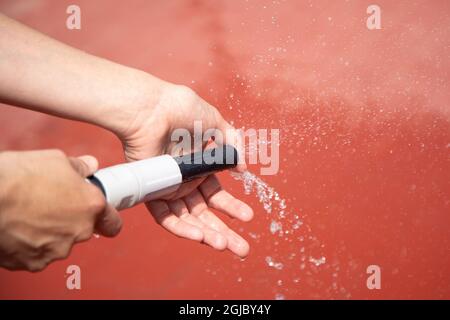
(140, 109)
(46, 206)
(188, 212)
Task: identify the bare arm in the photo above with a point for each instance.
(43, 74)
(39, 73)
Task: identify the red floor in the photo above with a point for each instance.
(365, 142)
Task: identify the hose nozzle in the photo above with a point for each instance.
(126, 185)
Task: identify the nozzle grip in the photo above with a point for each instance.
(128, 184)
(206, 162)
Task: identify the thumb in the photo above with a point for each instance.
(108, 223)
(234, 138)
(229, 135)
(84, 165)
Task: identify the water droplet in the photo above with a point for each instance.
(317, 262)
(280, 296)
(275, 226)
(297, 224)
(273, 264)
(253, 235)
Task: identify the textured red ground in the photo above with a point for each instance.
(365, 142)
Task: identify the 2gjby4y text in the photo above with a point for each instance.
(226, 309)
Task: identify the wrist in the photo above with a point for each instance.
(137, 98)
(8, 180)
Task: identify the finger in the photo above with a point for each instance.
(198, 208)
(84, 165)
(234, 137)
(210, 236)
(229, 134)
(163, 216)
(237, 244)
(216, 197)
(109, 222)
(184, 189)
(195, 203)
(60, 250)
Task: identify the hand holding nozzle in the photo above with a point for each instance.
(48, 193)
(189, 216)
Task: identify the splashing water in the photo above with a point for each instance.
(273, 264)
(276, 227)
(317, 262)
(287, 225)
(279, 296)
(271, 201)
(266, 194)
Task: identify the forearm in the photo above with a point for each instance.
(40, 73)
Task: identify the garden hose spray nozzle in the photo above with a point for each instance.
(128, 184)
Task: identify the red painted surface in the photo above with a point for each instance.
(365, 142)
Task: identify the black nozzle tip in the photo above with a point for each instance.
(206, 162)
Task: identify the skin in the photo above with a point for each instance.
(42, 227)
(42, 74)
